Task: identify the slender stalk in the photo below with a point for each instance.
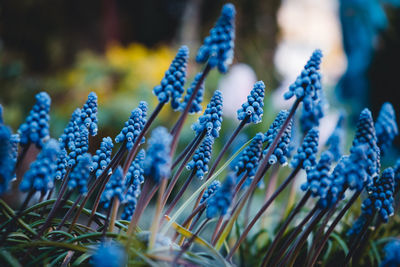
(180, 193)
(69, 212)
(184, 152)
(283, 228)
(50, 193)
(291, 255)
(217, 226)
(114, 212)
(178, 173)
(293, 235)
(263, 209)
(188, 220)
(190, 241)
(156, 218)
(185, 112)
(332, 227)
(364, 242)
(108, 217)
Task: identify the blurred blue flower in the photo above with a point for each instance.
(310, 118)
(201, 157)
(211, 189)
(67, 137)
(308, 84)
(336, 139)
(157, 164)
(40, 176)
(114, 188)
(171, 87)
(211, 119)
(196, 104)
(282, 148)
(133, 126)
(109, 254)
(220, 201)
(7, 162)
(102, 157)
(218, 46)
(392, 254)
(80, 174)
(318, 180)
(386, 127)
(254, 105)
(357, 226)
(35, 129)
(307, 151)
(136, 171)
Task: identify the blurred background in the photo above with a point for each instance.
(121, 49)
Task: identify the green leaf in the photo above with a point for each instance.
(341, 242)
(328, 251)
(81, 259)
(375, 252)
(197, 192)
(9, 258)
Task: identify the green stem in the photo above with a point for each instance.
(69, 212)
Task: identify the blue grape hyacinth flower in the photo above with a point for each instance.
(40, 176)
(80, 145)
(336, 139)
(381, 195)
(109, 254)
(218, 46)
(250, 157)
(308, 84)
(357, 226)
(318, 181)
(386, 127)
(306, 153)
(67, 137)
(102, 157)
(7, 162)
(253, 108)
(62, 163)
(133, 126)
(171, 87)
(356, 168)
(1, 114)
(201, 157)
(396, 169)
(211, 189)
(136, 171)
(281, 150)
(310, 118)
(365, 134)
(157, 164)
(211, 119)
(130, 200)
(196, 104)
(392, 254)
(114, 188)
(219, 203)
(80, 174)
(88, 114)
(35, 129)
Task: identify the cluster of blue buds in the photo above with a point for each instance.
(396, 169)
(282, 149)
(1, 114)
(318, 180)
(14, 142)
(392, 254)
(356, 169)
(310, 118)
(308, 84)
(80, 145)
(365, 134)
(133, 126)
(219, 203)
(157, 164)
(357, 226)
(40, 176)
(88, 114)
(109, 254)
(218, 46)
(253, 108)
(114, 188)
(136, 171)
(80, 174)
(130, 200)
(196, 104)
(67, 137)
(331, 189)
(7, 162)
(201, 157)
(211, 189)
(335, 140)
(102, 157)
(62, 162)
(306, 152)
(250, 157)
(211, 119)
(35, 129)
(386, 127)
(381, 198)
(171, 87)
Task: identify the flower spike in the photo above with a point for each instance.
(221, 200)
(102, 157)
(212, 188)
(306, 152)
(254, 105)
(114, 188)
(250, 157)
(7, 162)
(196, 105)
(88, 115)
(80, 173)
(318, 181)
(201, 157)
(386, 127)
